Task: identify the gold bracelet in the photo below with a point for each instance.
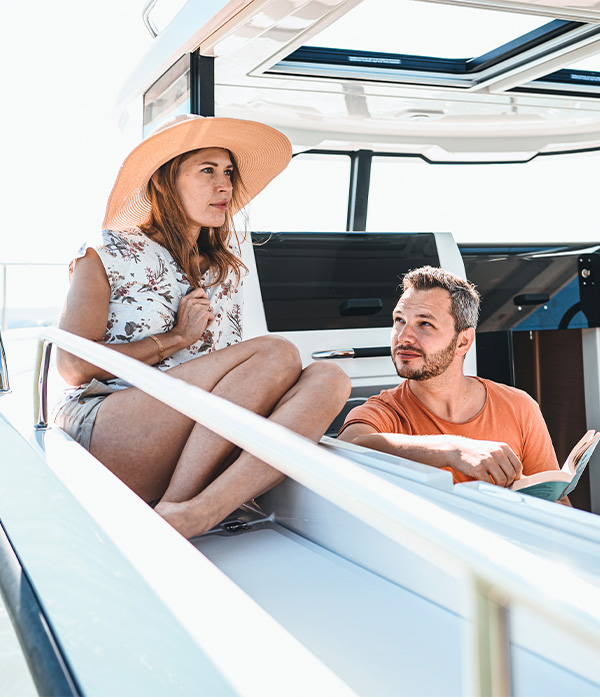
(161, 348)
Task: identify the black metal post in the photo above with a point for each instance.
(202, 84)
(358, 196)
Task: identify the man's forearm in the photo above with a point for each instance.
(488, 461)
(436, 451)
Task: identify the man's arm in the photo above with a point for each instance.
(487, 461)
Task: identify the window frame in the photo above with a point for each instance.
(452, 73)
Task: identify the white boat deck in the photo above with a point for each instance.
(368, 613)
(377, 636)
(362, 626)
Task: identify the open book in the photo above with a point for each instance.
(555, 484)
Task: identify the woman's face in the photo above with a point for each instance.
(204, 186)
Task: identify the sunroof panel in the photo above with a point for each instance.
(425, 29)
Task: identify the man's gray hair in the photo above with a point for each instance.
(464, 299)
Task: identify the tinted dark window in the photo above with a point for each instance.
(336, 280)
(527, 288)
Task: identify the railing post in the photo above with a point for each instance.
(40, 385)
(4, 384)
(487, 649)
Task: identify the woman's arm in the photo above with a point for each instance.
(86, 313)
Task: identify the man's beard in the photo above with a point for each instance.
(433, 365)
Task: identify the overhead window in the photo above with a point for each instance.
(581, 78)
(413, 45)
(425, 29)
(568, 82)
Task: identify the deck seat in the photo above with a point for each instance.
(337, 423)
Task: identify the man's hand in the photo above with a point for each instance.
(485, 460)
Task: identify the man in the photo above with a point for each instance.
(475, 428)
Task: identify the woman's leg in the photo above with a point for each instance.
(141, 440)
(307, 408)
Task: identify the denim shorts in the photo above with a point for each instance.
(77, 416)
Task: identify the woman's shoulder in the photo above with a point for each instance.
(118, 249)
(119, 246)
(127, 244)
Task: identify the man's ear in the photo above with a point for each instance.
(465, 341)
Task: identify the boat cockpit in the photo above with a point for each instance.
(445, 133)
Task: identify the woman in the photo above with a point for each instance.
(165, 287)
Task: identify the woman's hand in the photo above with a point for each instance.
(193, 316)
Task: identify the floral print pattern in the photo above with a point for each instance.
(146, 286)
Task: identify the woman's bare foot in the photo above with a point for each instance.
(180, 516)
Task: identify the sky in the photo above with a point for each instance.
(62, 63)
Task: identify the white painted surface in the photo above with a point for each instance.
(380, 634)
(127, 595)
(377, 636)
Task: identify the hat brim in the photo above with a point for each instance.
(260, 153)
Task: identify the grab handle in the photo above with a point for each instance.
(360, 306)
(362, 352)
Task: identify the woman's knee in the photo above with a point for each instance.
(279, 353)
(332, 381)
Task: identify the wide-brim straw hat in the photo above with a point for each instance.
(260, 154)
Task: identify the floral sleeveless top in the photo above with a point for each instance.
(146, 286)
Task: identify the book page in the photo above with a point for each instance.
(576, 456)
(582, 463)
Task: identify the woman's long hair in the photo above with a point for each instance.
(169, 222)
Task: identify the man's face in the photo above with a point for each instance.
(424, 338)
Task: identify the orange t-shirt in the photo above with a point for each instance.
(509, 416)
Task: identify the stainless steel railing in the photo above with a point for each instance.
(496, 572)
(150, 26)
(4, 382)
(166, 12)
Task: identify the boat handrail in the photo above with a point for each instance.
(150, 26)
(496, 572)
